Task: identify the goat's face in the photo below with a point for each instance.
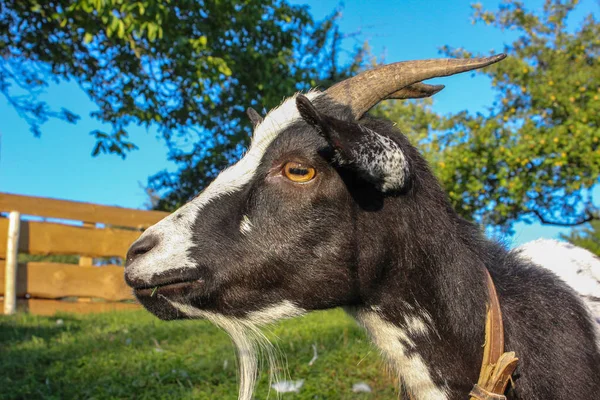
(275, 234)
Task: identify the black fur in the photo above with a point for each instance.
(339, 241)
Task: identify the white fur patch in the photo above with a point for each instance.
(578, 267)
(416, 326)
(391, 340)
(283, 310)
(383, 159)
(248, 339)
(245, 225)
(175, 232)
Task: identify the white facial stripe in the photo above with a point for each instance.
(175, 232)
(391, 340)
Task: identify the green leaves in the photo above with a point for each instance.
(534, 153)
(545, 125)
(87, 38)
(189, 68)
(587, 237)
(114, 143)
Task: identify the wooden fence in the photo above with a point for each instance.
(97, 234)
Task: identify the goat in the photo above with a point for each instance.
(332, 208)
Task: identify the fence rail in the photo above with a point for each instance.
(55, 281)
(79, 211)
(83, 229)
(49, 238)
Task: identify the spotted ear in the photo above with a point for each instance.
(378, 158)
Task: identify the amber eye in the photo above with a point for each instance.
(297, 172)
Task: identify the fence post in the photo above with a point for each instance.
(12, 250)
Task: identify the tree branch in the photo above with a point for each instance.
(543, 220)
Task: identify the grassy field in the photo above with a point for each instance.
(133, 355)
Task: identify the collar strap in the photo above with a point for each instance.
(497, 366)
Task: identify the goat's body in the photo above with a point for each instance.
(550, 330)
(424, 276)
(545, 323)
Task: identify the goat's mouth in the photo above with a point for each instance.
(171, 289)
(161, 291)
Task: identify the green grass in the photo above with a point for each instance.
(133, 355)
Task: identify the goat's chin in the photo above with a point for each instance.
(161, 307)
(162, 299)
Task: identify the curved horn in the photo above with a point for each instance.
(366, 89)
(415, 91)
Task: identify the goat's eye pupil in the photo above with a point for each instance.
(297, 172)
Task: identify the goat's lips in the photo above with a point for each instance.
(170, 290)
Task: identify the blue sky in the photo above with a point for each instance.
(59, 163)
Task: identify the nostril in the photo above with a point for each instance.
(140, 247)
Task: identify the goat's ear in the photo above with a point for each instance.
(254, 116)
(378, 158)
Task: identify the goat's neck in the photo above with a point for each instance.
(429, 325)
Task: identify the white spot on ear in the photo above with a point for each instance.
(245, 225)
(382, 159)
(175, 232)
(392, 342)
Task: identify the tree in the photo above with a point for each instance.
(535, 153)
(189, 66)
(587, 236)
(317, 53)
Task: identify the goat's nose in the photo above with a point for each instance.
(140, 247)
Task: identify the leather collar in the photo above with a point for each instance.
(497, 366)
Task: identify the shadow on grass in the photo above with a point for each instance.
(13, 331)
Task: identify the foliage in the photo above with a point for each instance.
(184, 66)
(417, 120)
(537, 150)
(317, 54)
(587, 236)
(190, 68)
(130, 355)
